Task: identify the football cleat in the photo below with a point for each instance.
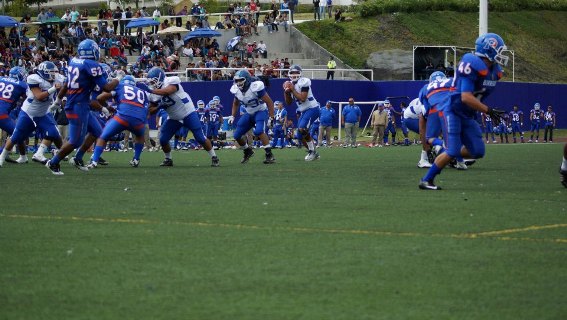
(102, 162)
(92, 165)
(78, 163)
(461, 166)
(270, 159)
(39, 158)
(215, 161)
(563, 177)
(312, 155)
(423, 164)
(248, 153)
(9, 160)
(426, 185)
(55, 168)
(22, 160)
(470, 162)
(166, 163)
(134, 163)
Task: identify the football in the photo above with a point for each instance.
(287, 86)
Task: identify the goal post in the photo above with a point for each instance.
(362, 104)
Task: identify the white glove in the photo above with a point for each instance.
(270, 122)
(55, 105)
(105, 111)
(231, 121)
(51, 90)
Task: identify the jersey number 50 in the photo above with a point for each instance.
(132, 95)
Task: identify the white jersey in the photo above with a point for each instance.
(310, 102)
(250, 99)
(177, 105)
(414, 109)
(32, 106)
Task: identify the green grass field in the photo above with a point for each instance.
(346, 237)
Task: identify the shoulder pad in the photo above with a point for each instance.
(171, 80)
(34, 79)
(257, 86)
(476, 64)
(304, 82)
(414, 103)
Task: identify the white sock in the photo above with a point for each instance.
(212, 153)
(563, 165)
(310, 145)
(23, 157)
(168, 155)
(4, 154)
(424, 156)
(40, 151)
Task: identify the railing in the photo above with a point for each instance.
(310, 73)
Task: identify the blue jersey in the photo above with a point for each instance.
(487, 118)
(83, 76)
(280, 117)
(327, 116)
(351, 113)
(433, 94)
(203, 117)
(474, 76)
(162, 116)
(214, 115)
(535, 115)
(10, 92)
(132, 102)
(515, 116)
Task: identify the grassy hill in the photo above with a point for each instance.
(539, 38)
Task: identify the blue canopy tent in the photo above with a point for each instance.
(142, 22)
(9, 22)
(201, 33)
(6, 22)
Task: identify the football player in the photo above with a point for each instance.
(214, 122)
(35, 113)
(83, 74)
(131, 115)
(299, 90)
(517, 121)
(167, 93)
(535, 116)
(411, 119)
(251, 93)
(488, 127)
(476, 77)
(12, 88)
(563, 169)
(391, 126)
(279, 126)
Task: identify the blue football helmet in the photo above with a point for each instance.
(537, 106)
(491, 46)
(200, 104)
(437, 75)
(216, 99)
(128, 81)
(387, 103)
(156, 77)
(243, 79)
(277, 102)
(294, 73)
(18, 73)
(47, 70)
(88, 49)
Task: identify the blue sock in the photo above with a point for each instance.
(138, 150)
(431, 173)
(175, 143)
(79, 155)
(97, 152)
(55, 159)
(437, 142)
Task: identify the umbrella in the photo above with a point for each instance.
(6, 21)
(173, 29)
(202, 33)
(54, 20)
(142, 22)
(231, 44)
